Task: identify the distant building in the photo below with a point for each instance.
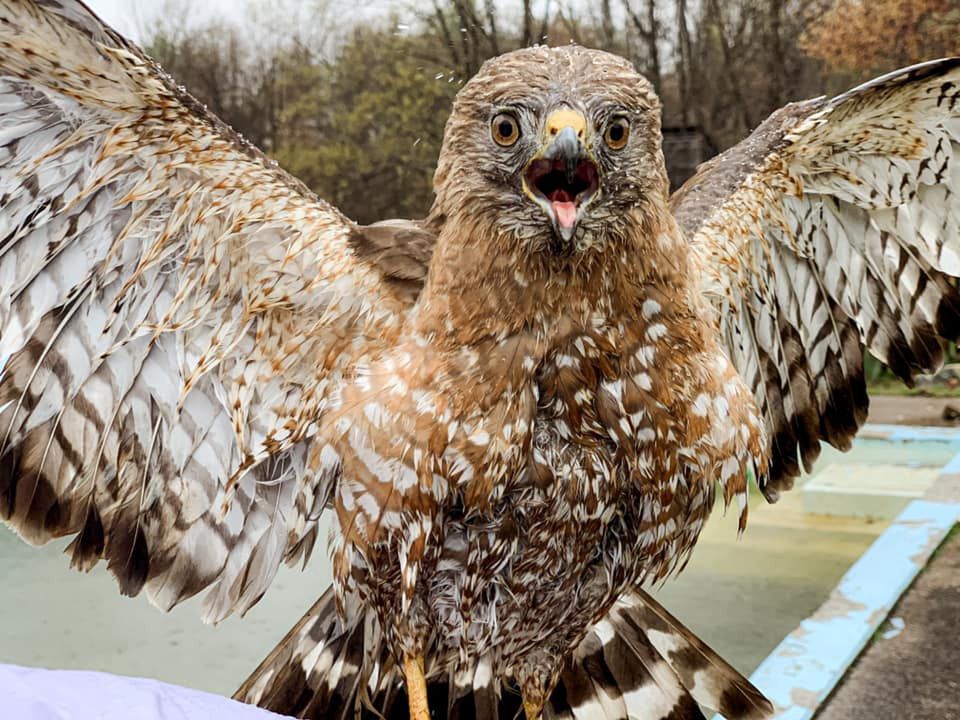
(684, 148)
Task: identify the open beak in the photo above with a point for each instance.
(562, 178)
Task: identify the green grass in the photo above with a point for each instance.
(880, 381)
(893, 386)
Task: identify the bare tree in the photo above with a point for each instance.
(684, 63)
(472, 32)
(527, 23)
(606, 23)
(491, 10)
(648, 28)
(731, 72)
(778, 61)
(440, 24)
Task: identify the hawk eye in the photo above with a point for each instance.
(505, 130)
(617, 133)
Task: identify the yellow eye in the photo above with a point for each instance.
(505, 130)
(617, 133)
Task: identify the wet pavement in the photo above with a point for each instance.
(912, 668)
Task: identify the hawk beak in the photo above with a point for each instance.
(562, 178)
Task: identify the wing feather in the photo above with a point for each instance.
(177, 312)
(834, 227)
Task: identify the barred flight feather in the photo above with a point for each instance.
(640, 663)
(165, 292)
(834, 227)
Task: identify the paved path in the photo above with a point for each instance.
(911, 410)
(914, 675)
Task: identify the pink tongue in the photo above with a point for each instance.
(566, 213)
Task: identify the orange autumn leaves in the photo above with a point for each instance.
(869, 36)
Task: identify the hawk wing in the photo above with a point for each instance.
(835, 226)
(176, 311)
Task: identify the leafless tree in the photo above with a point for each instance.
(647, 27)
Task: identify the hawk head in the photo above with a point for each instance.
(554, 150)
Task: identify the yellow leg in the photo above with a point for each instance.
(416, 688)
(532, 708)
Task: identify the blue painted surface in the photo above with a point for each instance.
(952, 467)
(799, 674)
(906, 433)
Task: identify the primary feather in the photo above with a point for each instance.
(175, 308)
(833, 228)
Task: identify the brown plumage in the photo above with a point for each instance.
(518, 409)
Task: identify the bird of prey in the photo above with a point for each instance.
(518, 410)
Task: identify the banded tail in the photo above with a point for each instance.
(639, 663)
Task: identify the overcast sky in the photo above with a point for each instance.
(132, 17)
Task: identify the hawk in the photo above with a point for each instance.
(517, 410)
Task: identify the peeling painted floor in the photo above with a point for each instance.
(743, 596)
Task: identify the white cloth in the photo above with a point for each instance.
(33, 694)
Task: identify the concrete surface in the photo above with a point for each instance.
(742, 595)
(55, 617)
(914, 672)
(911, 410)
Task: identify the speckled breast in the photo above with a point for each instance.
(496, 504)
(600, 503)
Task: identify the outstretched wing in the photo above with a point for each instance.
(835, 226)
(176, 311)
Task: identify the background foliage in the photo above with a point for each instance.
(358, 112)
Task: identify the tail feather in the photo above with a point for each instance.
(641, 663)
(474, 694)
(709, 679)
(314, 670)
(616, 676)
(638, 663)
